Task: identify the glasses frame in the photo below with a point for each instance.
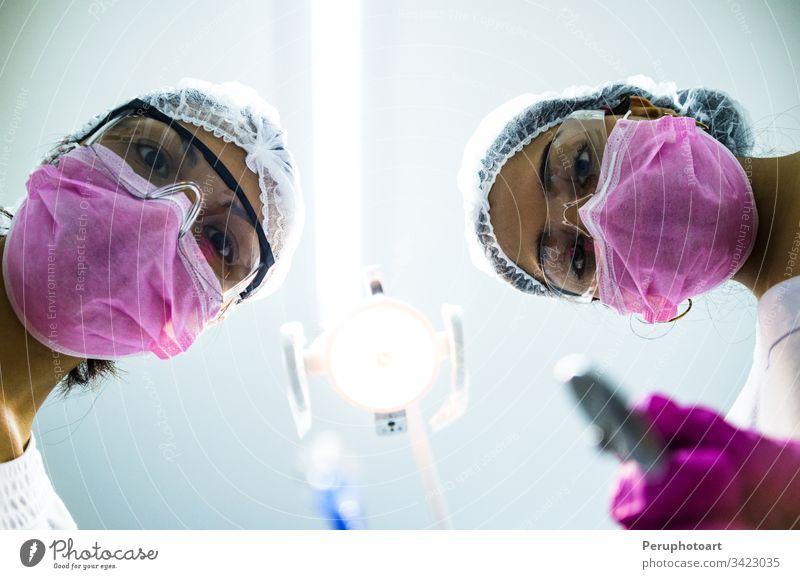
(139, 108)
(580, 114)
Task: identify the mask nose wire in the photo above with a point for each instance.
(195, 200)
(585, 199)
(575, 223)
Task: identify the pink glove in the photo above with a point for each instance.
(714, 476)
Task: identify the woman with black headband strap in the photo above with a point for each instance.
(137, 233)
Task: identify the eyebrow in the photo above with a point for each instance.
(544, 169)
(539, 240)
(237, 209)
(188, 149)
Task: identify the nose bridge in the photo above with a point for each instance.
(570, 215)
(563, 212)
(212, 210)
(216, 195)
(204, 177)
(192, 197)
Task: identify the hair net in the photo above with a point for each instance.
(235, 113)
(514, 124)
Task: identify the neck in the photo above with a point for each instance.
(776, 253)
(29, 371)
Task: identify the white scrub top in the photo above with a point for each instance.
(27, 497)
(770, 399)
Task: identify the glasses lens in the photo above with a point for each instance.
(568, 261)
(163, 157)
(575, 156)
(572, 172)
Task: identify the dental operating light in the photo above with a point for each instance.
(383, 357)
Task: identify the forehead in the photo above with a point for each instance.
(517, 208)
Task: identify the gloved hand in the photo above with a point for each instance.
(714, 475)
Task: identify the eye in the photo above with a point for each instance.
(222, 243)
(578, 257)
(583, 164)
(551, 260)
(155, 159)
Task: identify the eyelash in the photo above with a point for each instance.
(578, 274)
(584, 148)
(542, 243)
(548, 177)
(146, 143)
(543, 239)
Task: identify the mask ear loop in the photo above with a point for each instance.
(676, 318)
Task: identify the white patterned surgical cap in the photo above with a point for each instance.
(238, 115)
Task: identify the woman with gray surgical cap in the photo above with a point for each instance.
(641, 196)
(137, 233)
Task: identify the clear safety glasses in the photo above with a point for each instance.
(571, 171)
(222, 220)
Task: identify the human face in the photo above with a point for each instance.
(534, 205)
(168, 158)
(233, 157)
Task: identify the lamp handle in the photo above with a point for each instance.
(456, 404)
(292, 344)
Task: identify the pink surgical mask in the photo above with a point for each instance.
(93, 269)
(673, 216)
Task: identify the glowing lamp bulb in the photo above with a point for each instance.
(384, 356)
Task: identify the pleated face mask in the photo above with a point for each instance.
(672, 216)
(99, 262)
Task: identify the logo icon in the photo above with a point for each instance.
(31, 552)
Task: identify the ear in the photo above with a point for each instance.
(641, 107)
(222, 314)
